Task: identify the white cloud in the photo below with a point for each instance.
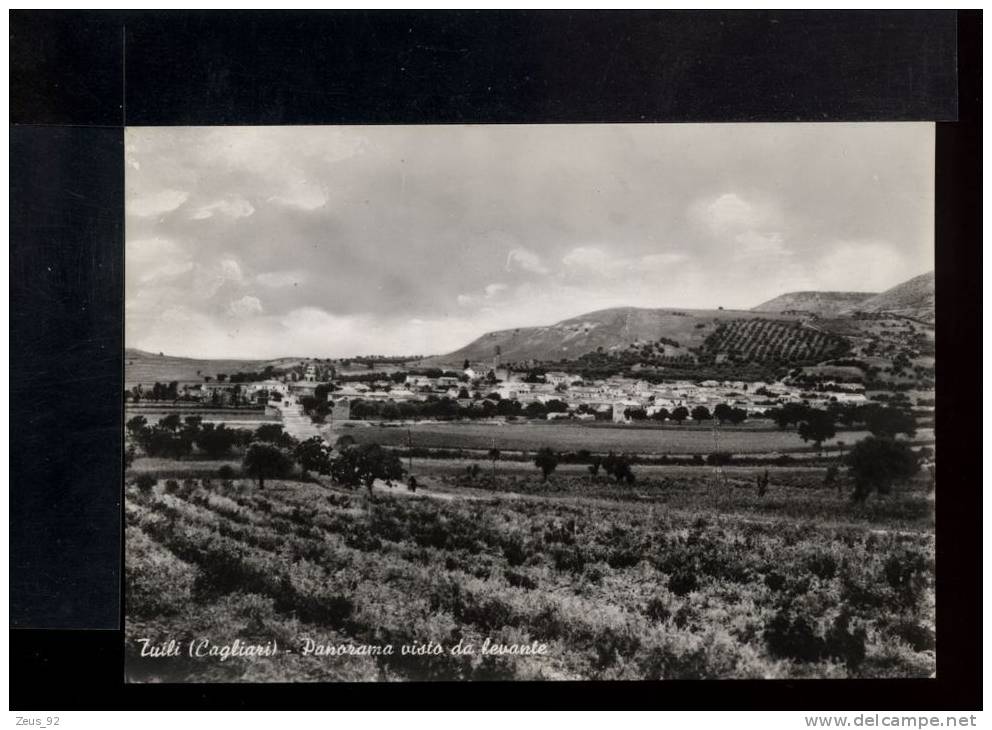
(231, 207)
(151, 250)
(231, 270)
(494, 289)
(754, 243)
(245, 306)
(862, 266)
(279, 279)
(302, 195)
(525, 260)
(150, 205)
(729, 213)
(168, 270)
(661, 261)
(592, 259)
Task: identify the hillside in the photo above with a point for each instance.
(609, 329)
(146, 367)
(913, 298)
(821, 303)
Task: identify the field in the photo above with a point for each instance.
(148, 368)
(572, 437)
(761, 340)
(245, 417)
(682, 577)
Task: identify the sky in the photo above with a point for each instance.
(263, 242)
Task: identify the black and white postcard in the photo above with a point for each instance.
(529, 402)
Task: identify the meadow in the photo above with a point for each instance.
(679, 576)
(523, 436)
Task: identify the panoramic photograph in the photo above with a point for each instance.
(529, 402)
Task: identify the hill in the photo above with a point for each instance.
(146, 367)
(913, 298)
(608, 330)
(821, 303)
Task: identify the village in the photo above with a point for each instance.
(618, 398)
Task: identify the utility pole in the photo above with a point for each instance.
(718, 467)
(409, 450)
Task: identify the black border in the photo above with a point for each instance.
(67, 69)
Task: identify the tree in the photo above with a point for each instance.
(661, 414)
(876, 463)
(313, 455)
(817, 426)
(362, 465)
(546, 460)
(465, 365)
(136, 428)
(535, 409)
(722, 412)
(700, 413)
(887, 422)
(215, 440)
(680, 414)
(738, 415)
(620, 468)
(594, 466)
(272, 433)
(494, 455)
(129, 454)
(171, 422)
(790, 413)
(265, 461)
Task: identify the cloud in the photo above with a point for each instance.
(495, 289)
(590, 258)
(154, 250)
(595, 262)
(729, 213)
(245, 306)
(525, 260)
(862, 266)
(168, 270)
(662, 261)
(376, 226)
(753, 243)
(302, 195)
(231, 270)
(232, 208)
(155, 204)
(280, 279)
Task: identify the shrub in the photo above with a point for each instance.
(683, 582)
(657, 609)
(877, 463)
(144, 482)
(225, 472)
(719, 458)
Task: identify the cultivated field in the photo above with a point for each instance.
(572, 437)
(236, 416)
(678, 576)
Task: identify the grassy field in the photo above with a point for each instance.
(235, 416)
(572, 437)
(681, 577)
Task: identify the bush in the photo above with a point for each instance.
(225, 472)
(719, 458)
(683, 582)
(144, 482)
(878, 463)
